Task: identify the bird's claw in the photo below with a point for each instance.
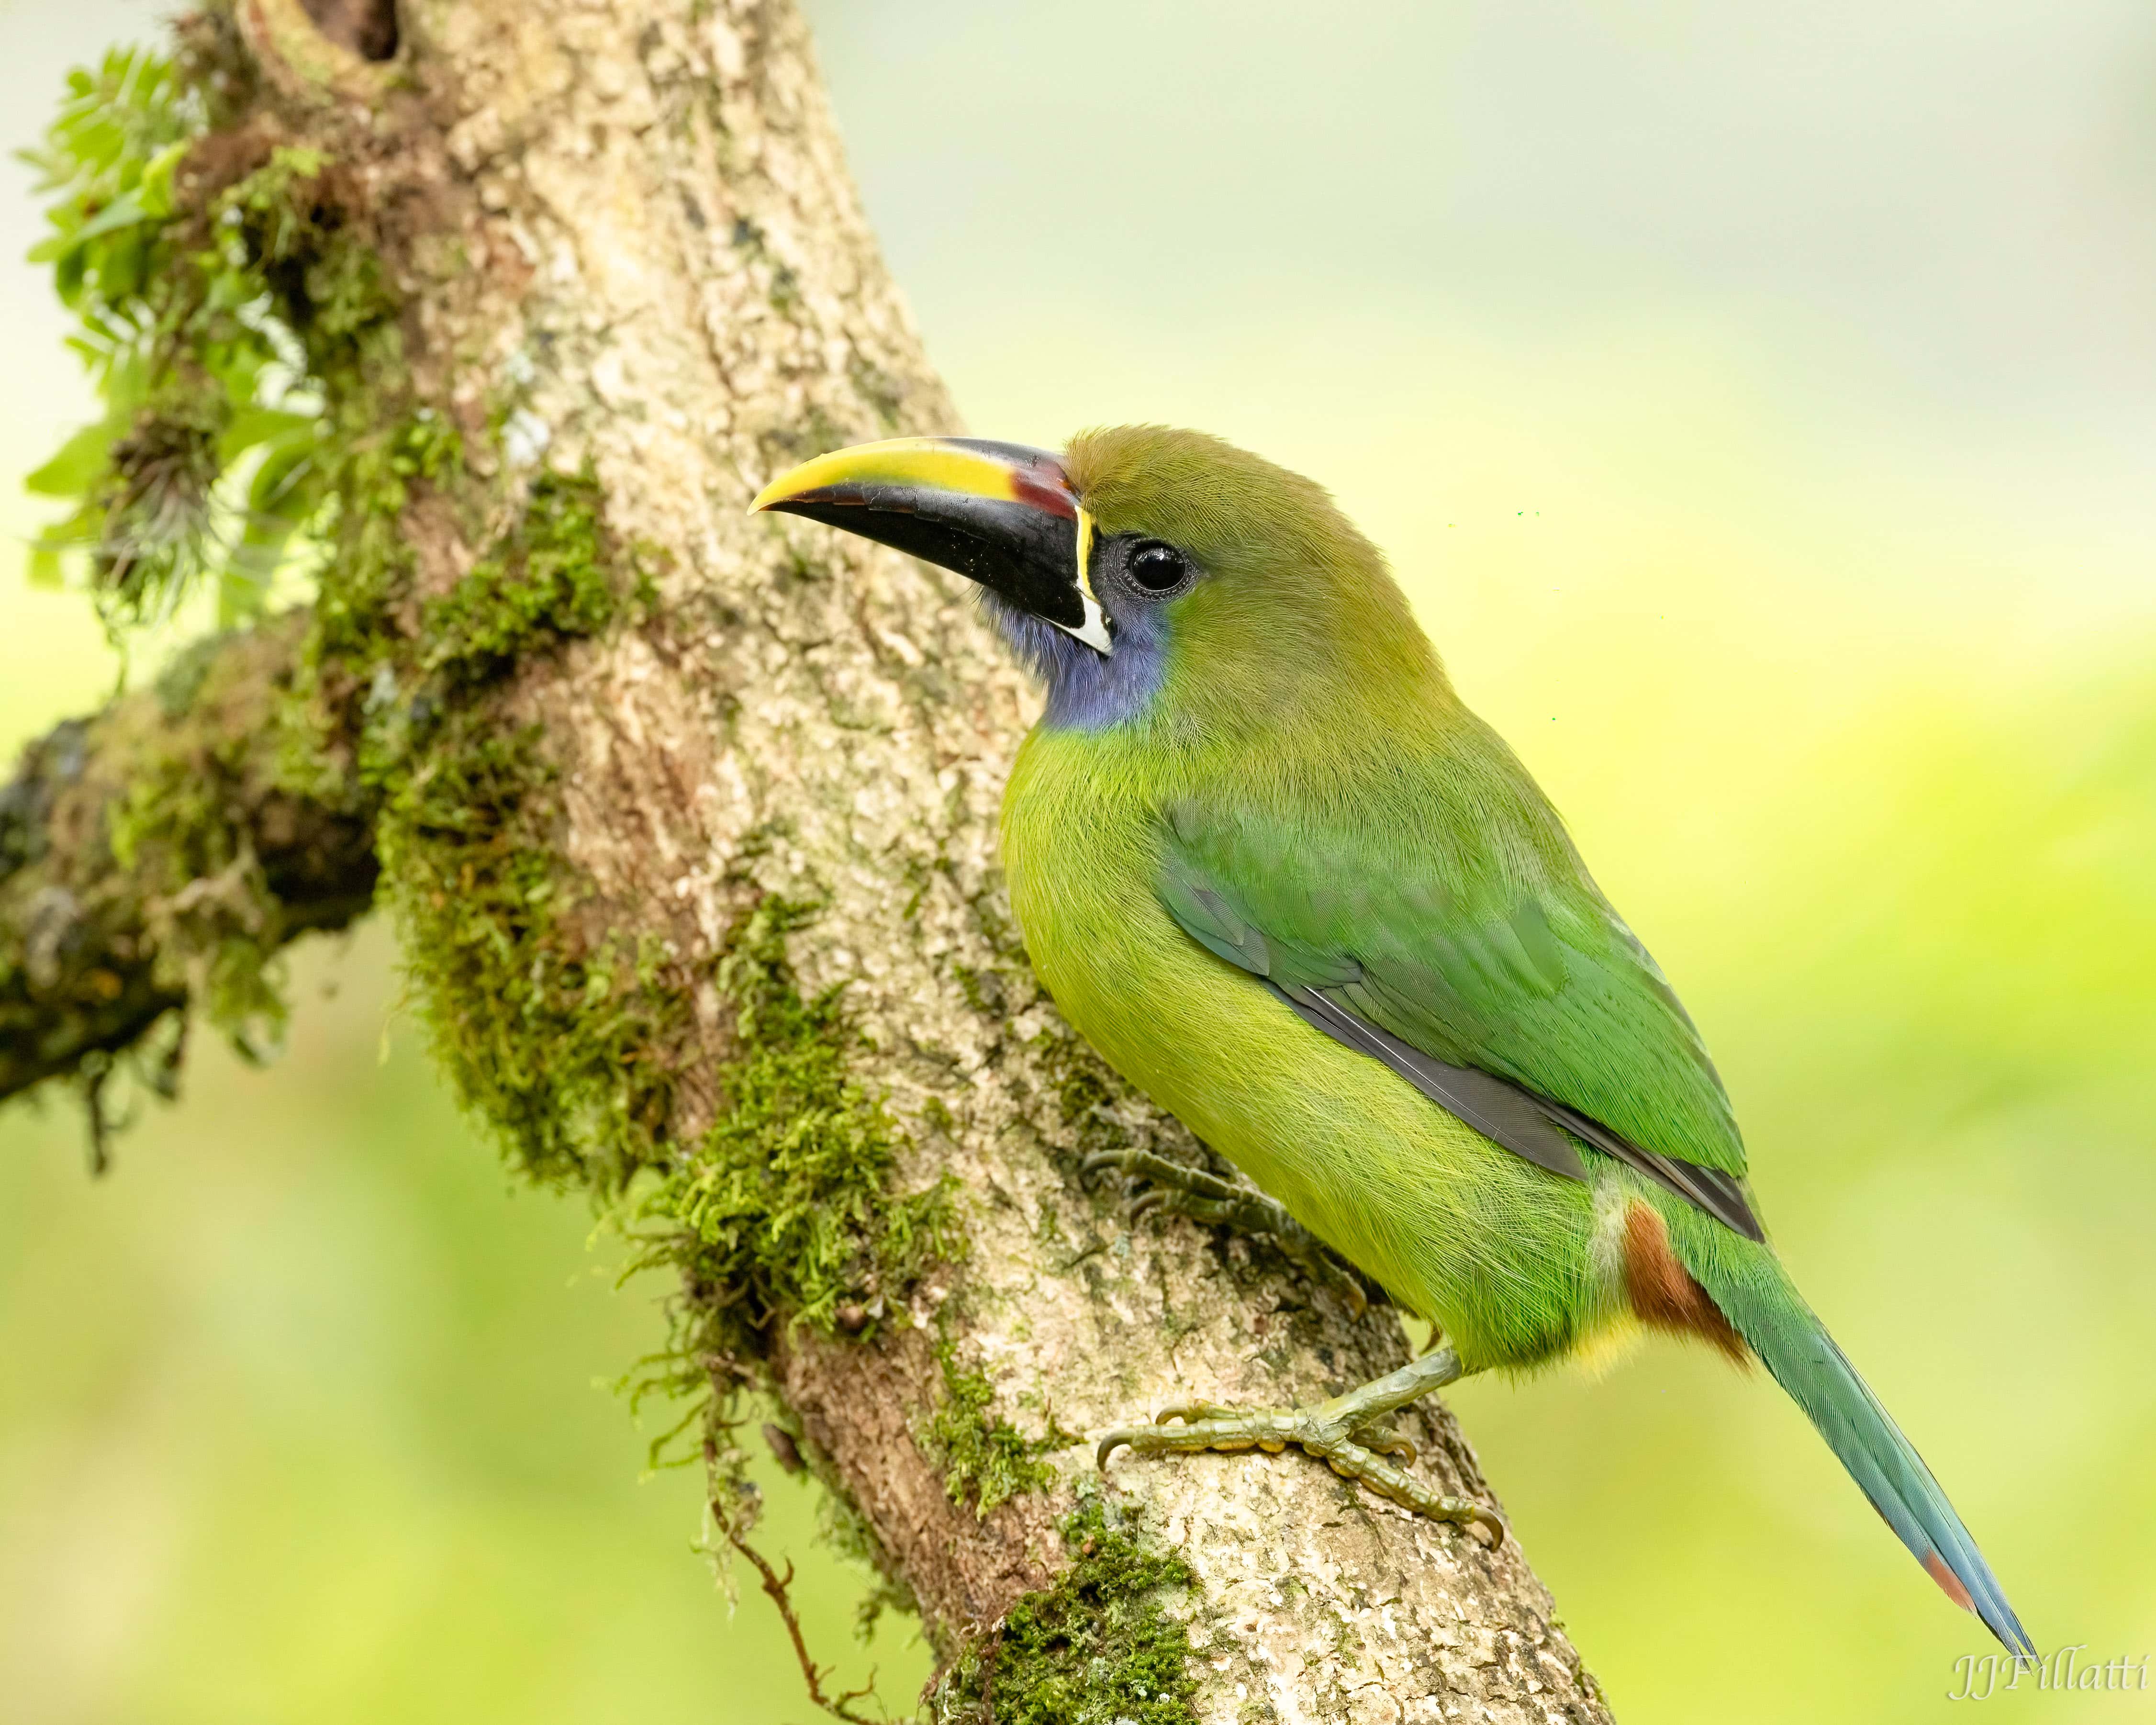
(1189, 1411)
(1384, 1440)
(1354, 1451)
(1155, 1183)
(1168, 1179)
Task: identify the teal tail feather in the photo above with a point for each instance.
(1756, 1295)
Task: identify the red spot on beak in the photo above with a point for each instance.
(1048, 493)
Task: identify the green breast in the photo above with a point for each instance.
(1456, 1228)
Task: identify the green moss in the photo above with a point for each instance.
(785, 1208)
(197, 754)
(181, 679)
(560, 1038)
(881, 391)
(1100, 1647)
(553, 583)
(983, 989)
(557, 1046)
(1084, 1086)
(293, 219)
(985, 1459)
(378, 474)
(203, 895)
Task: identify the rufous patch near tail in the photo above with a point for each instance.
(1935, 1566)
(1662, 1291)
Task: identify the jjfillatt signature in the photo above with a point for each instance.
(1985, 1675)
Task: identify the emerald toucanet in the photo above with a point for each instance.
(1270, 866)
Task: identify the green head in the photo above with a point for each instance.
(1145, 573)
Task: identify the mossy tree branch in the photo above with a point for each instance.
(686, 820)
(156, 857)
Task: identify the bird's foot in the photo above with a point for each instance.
(1156, 1183)
(1346, 1432)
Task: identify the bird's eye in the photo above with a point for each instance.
(1157, 568)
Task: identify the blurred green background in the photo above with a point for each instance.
(1760, 404)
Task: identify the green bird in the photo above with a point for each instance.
(1272, 867)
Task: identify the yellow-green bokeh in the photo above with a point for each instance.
(1812, 566)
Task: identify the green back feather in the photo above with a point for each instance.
(1314, 770)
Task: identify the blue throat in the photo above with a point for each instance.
(1089, 690)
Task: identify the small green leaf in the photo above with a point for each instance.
(78, 465)
(156, 190)
(282, 488)
(123, 269)
(238, 597)
(124, 211)
(67, 273)
(262, 426)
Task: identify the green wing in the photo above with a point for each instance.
(1455, 934)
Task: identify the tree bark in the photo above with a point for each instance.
(626, 252)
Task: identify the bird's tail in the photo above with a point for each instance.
(1746, 1283)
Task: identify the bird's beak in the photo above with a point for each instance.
(1000, 514)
